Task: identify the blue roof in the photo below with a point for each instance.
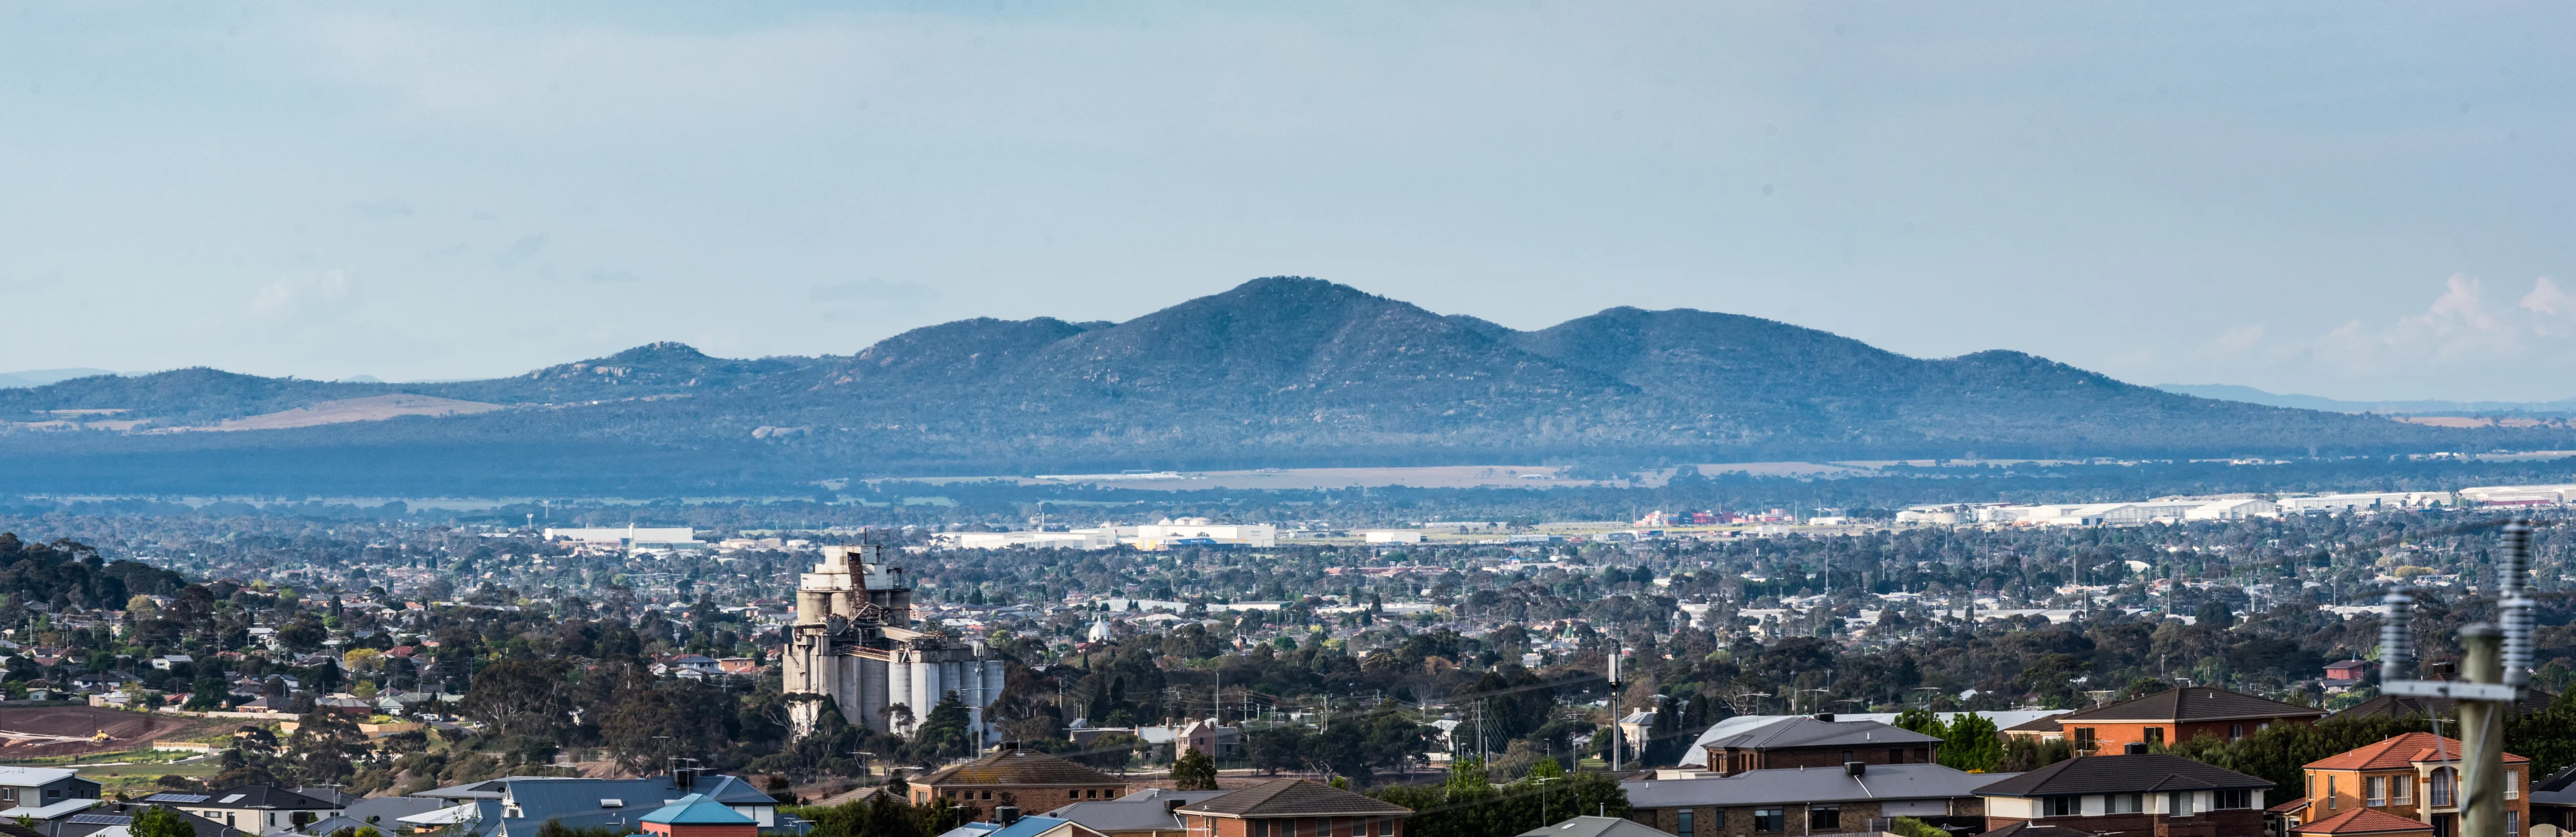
(697, 809)
(1028, 827)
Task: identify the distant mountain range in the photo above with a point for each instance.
(1278, 372)
(2250, 395)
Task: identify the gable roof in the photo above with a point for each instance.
(2152, 772)
(33, 776)
(2398, 752)
(2400, 706)
(1294, 798)
(1808, 732)
(1148, 809)
(1790, 784)
(263, 797)
(2028, 829)
(697, 809)
(2363, 821)
(1596, 827)
(1019, 767)
(2196, 703)
(2043, 723)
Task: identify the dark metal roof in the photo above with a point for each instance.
(1295, 798)
(1824, 784)
(264, 797)
(2148, 773)
(2196, 703)
(1596, 827)
(2025, 829)
(2398, 706)
(1809, 732)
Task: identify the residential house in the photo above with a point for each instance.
(1145, 813)
(1019, 778)
(2364, 821)
(1818, 741)
(1794, 800)
(168, 661)
(1293, 808)
(1217, 740)
(516, 806)
(98, 820)
(2553, 800)
(2346, 673)
(2415, 776)
(36, 787)
(1008, 822)
(695, 815)
(2401, 706)
(257, 809)
(2173, 716)
(1594, 827)
(2157, 794)
(2042, 728)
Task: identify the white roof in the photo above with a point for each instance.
(27, 777)
(442, 816)
(57, 810)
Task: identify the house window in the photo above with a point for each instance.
(2512, 787)
(2235, 731)
(1769, 819)
(1895, 755)
(1847, 756)
(2404, 792)
(2061, 806)
(2513, 823)
(2330, 793)
(1717, 820)
(2125, 803)
(2232, 799)
(2179, 804)
(2374, 791)
(1686, 830)
(2155, 736)
(1073, 794)
(2084, 741)
(2443, 778)
(1827, 818)
(1386, 827)
(1260, 828)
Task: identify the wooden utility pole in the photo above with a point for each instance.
(2482, 734)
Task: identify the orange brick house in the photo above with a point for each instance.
(695, 815)
(1293, 808)
(2174, 716)
(2415, 777)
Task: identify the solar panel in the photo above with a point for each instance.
(101, 819)
(176, 797)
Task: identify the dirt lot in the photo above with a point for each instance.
(125, 730)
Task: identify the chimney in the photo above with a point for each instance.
(1826, 717)
(1006, 814)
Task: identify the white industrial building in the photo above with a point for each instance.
(1081, 539)
(853, 644)
(629, 537)
(2333, 503)
(2520, 495)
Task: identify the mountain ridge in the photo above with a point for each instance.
(1276, 372)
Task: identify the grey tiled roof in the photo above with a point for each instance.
(1596, 827)
(1294, 798)
(1809, 732)
(1792, 785)
(2195, 703)
(1143, 810)
(2147, 773)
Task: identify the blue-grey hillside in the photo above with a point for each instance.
(1278, 372)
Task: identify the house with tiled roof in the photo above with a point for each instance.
(1818, 742)
(2174, 716)
(2415, 776)
(1293, 808)
(2163, 795)
(1856, 798)
(1145, 813)
(2360, 821)
(1027, 779)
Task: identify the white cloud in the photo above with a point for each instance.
(2460, 326)
(2235, 341)
(312, 297)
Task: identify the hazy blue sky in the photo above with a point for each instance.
(2366, 200)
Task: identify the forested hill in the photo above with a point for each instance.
(67, 573)
(1276, 372)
